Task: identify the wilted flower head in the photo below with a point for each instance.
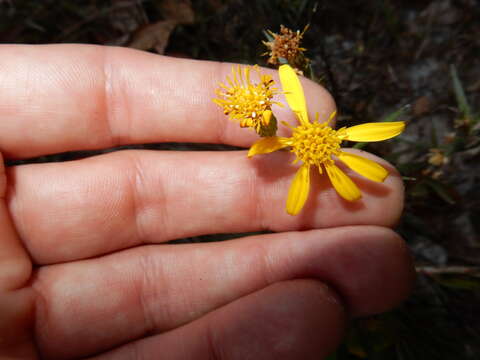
(285, 48)
(249, 102)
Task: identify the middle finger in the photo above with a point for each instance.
(84, 208)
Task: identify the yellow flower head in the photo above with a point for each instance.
(316, 143)
(248, 102)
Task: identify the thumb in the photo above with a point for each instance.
(296, 319)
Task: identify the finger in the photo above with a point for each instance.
(94, 305)
(123, 199)
(16, 304)
(300, 319)
(15, 265)
(70, 97)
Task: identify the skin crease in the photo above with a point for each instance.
(83, 271)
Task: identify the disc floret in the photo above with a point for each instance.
(315, 144)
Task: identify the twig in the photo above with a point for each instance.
(441, 270)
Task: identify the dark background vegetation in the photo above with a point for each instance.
(416, 61)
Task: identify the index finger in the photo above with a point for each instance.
(58, 98)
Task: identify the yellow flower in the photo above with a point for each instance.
(317, 144)
(247, 102)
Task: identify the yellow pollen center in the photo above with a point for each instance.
(315, 143)
(247, 102)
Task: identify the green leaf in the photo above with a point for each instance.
(442, 190)
(360, 145)
(460, 93)
(461, 283)
(395, 115)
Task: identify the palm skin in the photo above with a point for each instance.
(84, 268)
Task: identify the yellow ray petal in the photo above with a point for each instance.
(266, 145)
(298, 193)
(332, 115)
(367, 168)
(344, 186)
(293, 92)
(374, 131)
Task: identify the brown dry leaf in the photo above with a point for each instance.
(215, 4)
(153, 36)
(360, 106)
(475, 86)
(421, 106)
(179, 10)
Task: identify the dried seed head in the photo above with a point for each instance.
(285, 46)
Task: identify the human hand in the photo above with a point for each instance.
(83, 271)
